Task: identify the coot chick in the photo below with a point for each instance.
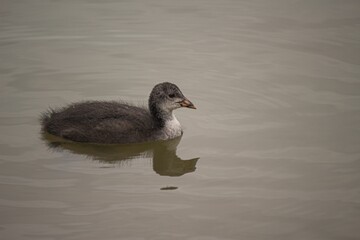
(118, 122)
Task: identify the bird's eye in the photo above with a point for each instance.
(171, 95)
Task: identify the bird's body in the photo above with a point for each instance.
(111, 122)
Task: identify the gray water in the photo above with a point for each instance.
(272, 151)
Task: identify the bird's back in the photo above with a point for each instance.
(100, 122)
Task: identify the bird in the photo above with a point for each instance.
(118, 122)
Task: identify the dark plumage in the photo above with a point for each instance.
(119, 122)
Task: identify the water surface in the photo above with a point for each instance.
(272, 151)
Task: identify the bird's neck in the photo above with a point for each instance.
(172, 127)
(160, 116)
(167, 123)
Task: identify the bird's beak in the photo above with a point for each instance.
(187, 103)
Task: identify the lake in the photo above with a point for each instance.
(272, 151)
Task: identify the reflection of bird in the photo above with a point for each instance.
(116, 122)
(163, 153)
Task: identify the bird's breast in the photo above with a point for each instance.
(172, 128)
